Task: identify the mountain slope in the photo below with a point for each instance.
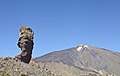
(87, 58)
(12, 67)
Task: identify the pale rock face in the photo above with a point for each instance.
(81, 47)
(86, 46)
(101, 72)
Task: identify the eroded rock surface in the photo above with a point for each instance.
(25, 43)
(14, 67)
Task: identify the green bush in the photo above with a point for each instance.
(4, 73)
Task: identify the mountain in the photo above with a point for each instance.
(80, 60)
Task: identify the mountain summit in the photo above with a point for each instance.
(86, 58)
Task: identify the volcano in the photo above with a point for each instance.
(81, 59)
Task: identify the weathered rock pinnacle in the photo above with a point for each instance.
(25, 43)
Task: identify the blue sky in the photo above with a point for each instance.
(60, 24)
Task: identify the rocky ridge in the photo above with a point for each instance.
(12, 67)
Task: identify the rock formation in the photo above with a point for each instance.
(25, 43)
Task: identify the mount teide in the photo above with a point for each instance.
(83, 58)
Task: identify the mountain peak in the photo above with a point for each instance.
(81, 47)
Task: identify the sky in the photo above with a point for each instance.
(60, 24)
